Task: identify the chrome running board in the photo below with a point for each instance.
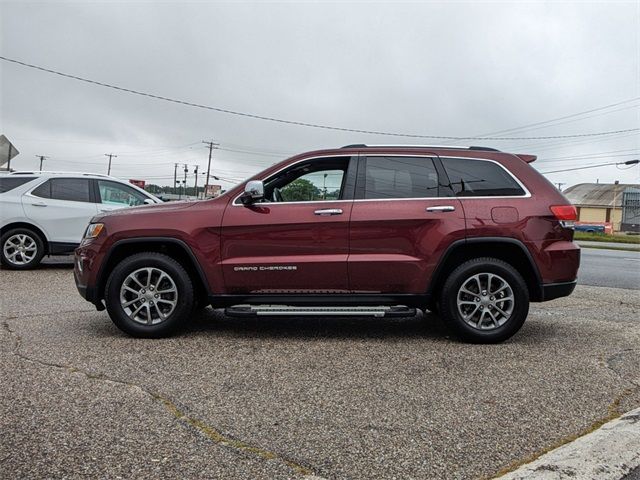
(284, 310)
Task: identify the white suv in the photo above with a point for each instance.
(46, 213)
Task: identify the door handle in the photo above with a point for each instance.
(329, 211)
(39, 204)
(441, 208)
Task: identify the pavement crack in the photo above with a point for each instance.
(609, 361)
(172, 408)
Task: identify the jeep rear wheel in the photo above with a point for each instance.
(149, 295)
(484, 300)
(21, 249)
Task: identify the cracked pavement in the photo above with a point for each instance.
(288, 398)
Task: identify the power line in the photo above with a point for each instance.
(528, 126)
(300, 123)
(628, 162)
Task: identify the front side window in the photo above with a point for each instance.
(315, 181)
(69, 189)
(117, 194)
(480, 178)
(400, 177)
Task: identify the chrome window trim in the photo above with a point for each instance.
(527, 193)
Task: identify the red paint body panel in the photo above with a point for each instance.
(286, 235)
(396, 245)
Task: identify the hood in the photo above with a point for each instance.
(145, 209)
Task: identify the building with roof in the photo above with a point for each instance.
(601, 203)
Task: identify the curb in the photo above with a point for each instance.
(608, 453)
(622, 247)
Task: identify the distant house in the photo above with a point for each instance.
(603, 203)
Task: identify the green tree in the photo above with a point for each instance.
(300, 190)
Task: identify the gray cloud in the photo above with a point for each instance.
(427, 68)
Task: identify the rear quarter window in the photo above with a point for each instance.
(69, 189)
(480, 178)
(9, 183)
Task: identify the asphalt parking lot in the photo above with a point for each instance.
(288, 398)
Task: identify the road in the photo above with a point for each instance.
(610, 268)
(270, 398)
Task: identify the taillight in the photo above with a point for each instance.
(566, 214)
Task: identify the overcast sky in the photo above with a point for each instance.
(432, 68)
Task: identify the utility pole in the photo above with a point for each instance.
(195, 172)
(110, 155)
(186, 170)
(42, 159)
(175, 177)
(211, 147)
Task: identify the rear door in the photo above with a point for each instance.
(297, 239)
(62, 207)
(404, 216)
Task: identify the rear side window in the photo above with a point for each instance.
(70, 189)
(400, 177)
(480, 178)
(9, 183)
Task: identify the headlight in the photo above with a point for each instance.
(93, 230)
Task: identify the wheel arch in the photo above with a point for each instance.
(30, 226)
(509, 250)
(172, 247)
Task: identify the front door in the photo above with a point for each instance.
(295, 241)
(403, 218)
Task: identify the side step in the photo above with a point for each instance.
(284, 310)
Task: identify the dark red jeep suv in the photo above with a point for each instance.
(472, 233)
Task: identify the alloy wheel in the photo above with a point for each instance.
(20, 249)
(148, 296)
(485, 301)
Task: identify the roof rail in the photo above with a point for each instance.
(46, 172)
(449, 147)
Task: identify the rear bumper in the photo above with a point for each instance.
(551, 291)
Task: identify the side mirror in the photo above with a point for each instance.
(148, 201)
(253, 191)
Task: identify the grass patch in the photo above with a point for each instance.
(601, 237)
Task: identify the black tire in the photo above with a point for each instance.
(449, 305)
(34, 237)
(177, 319)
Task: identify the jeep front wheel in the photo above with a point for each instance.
(149, 295)
(484, 300)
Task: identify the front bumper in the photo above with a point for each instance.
(82, 274)
(551, 291)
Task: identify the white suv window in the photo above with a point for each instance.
(113, 193)
(70, 189)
